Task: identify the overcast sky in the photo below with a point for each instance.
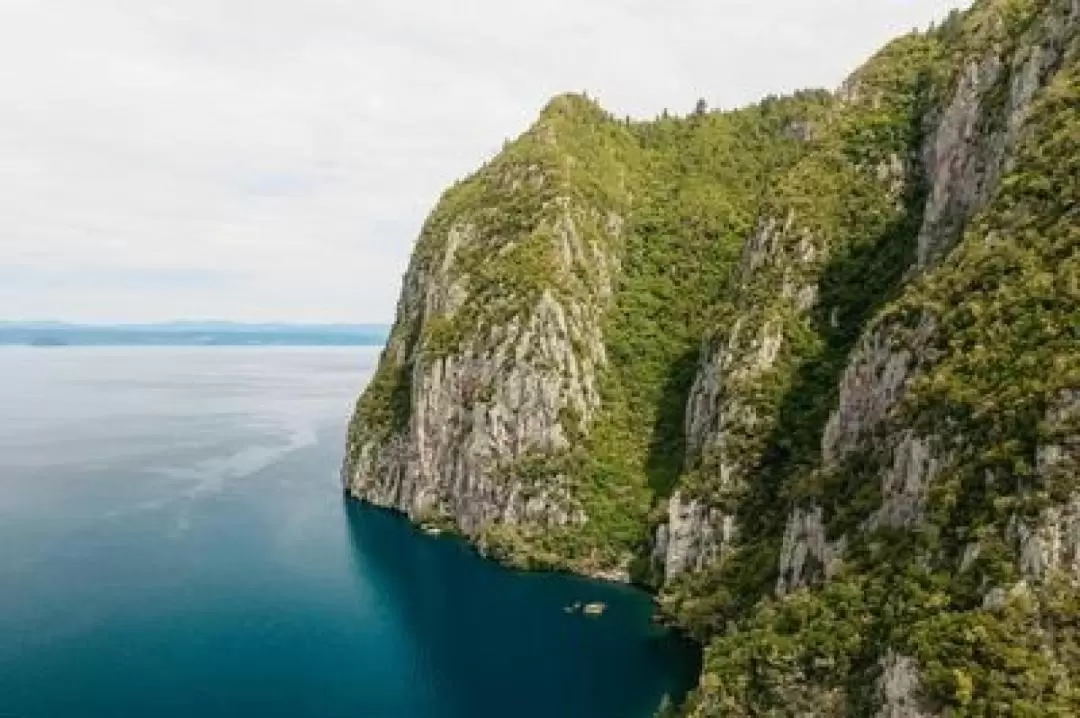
(273, 159)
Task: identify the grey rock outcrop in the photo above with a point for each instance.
(506, 394)
(904, 485)
(971, 146)
(1051, 545)
(899, 689)
(693, 536)
(1059, 455)
(873, 383)
(807, 555)
(964, 159)
(721, 409)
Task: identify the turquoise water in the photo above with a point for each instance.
(173, 542)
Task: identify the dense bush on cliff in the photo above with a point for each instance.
(811, 369)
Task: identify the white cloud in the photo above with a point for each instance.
(274, 159)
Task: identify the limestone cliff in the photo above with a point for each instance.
(554, 300)
(492, 365)
(810, 369)
(930, 500)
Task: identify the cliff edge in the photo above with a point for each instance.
(810, 369)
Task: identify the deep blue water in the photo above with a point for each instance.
(173, 542)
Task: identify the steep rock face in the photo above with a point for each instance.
(963, 162)
(1058, 455)
(1051, 545)
(749, 348)
(963, 159)
(900, 688)
(494, 359)
(725, 420)
(475, 412)
(692, 536)
(930, 441)
(790, 298)
(904, 485)
(517, 398)
(860, 490)
(979, 128)
(806, 554)
(715, 417)
(872, 383)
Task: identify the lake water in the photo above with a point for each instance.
(173, 542)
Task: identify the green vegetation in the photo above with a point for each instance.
(383, 408)
(858, 216)
(686, 192)
(704, 179)
(794, 223)
(1007, 316)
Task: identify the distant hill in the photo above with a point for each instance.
(193, 333)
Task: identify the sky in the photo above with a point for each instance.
(261, 160)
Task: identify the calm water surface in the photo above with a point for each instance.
(173, 542)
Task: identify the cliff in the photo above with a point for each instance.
(810, 368)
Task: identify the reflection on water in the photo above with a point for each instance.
(173, 542)
(484, 637)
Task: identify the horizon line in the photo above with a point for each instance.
(197, 322)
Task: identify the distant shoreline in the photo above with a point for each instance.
(52, 335)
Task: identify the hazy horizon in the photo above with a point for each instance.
(189, 333)
(274, 162)
(190, 322)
